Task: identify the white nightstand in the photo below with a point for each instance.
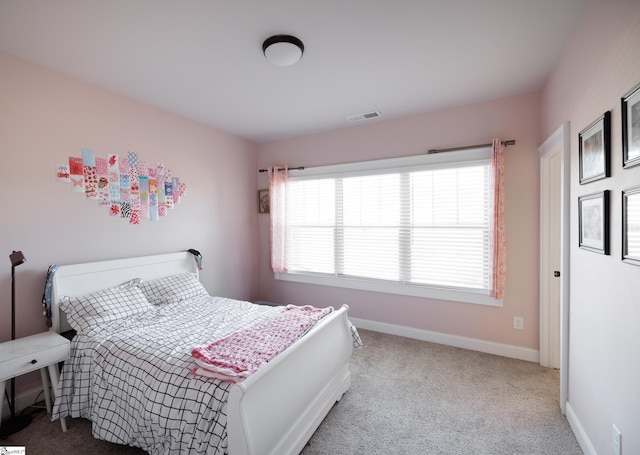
(35, 352)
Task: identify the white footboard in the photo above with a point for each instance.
(276, 410)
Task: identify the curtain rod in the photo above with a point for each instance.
(455, 149)
(468, 147)
(300, 168)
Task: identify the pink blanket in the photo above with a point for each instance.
(240, 354)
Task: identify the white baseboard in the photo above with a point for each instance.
(578, 431)
(23, 401)
(473, 344)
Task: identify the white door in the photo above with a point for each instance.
(550, 273)
(554, 255)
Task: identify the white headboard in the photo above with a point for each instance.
(79, 279)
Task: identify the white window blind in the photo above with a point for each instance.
(409, 223)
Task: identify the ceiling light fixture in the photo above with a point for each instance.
(283, 50)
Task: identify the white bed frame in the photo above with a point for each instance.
(277, 409)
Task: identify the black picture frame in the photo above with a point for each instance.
(595, 150)
(631, 128)
(631, 226)
(593, 221)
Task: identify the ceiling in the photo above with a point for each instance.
(202, 59)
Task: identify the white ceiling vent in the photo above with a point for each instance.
(366, 116)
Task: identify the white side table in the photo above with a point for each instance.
(36, 352)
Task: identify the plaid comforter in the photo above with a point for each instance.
(132, 377)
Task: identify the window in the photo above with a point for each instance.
(417, 226)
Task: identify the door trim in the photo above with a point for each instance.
(558, 141)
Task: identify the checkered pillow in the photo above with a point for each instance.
(86, 311)
(173, 288)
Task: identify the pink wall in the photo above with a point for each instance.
(45, 117)
(598, 67)
(513, 118)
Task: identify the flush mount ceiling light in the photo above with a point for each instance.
(283, 50)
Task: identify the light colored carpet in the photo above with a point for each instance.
(407, 397)
(414, 397)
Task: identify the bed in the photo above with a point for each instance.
(133, 377)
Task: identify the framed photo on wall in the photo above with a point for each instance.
(593, 219)
(595, 150)
(631, 128)
(264, 203)
(631, 225)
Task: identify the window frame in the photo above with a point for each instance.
(412, 163)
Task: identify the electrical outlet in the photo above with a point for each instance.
(616, 440)
(518, 323)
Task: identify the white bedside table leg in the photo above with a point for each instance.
(45, 389)
(53, 372)
(2, 386)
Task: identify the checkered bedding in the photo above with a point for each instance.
(131, 377)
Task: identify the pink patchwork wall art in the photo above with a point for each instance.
(130, 188)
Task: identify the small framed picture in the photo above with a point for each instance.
(631, 225)
(595, 145)
(631, 128)
(593, 217)
(264, 203)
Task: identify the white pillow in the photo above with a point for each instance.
(173, 288)
(86, 311)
